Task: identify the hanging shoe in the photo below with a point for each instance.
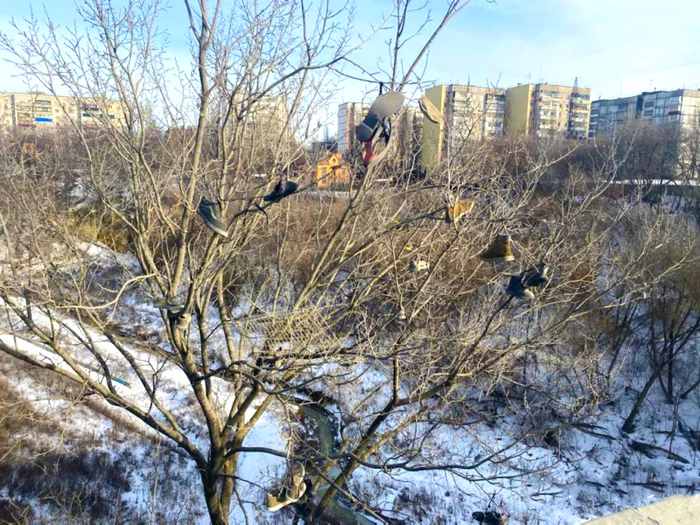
(282, 189)
(516, 289)
(498, 251)
(418, 266)
(298, 473)
(209, 211)
(181, 319)
(180, 322)
(429, 110)
(538, 278)
(384, 106)
(459, 208)
(169, 304)
(287, 496)
(291, 492)
(489, 518)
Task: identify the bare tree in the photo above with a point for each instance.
(307, 297)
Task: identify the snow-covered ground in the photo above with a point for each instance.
(594, 475)
(596, 469)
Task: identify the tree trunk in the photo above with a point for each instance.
(217, 513)
(628, 426)
(669, 379)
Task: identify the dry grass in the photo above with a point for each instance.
(105, 228)
(69, 473)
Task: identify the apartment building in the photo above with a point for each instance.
(543, 110)
(609, 115)
(96, 112)
(266, 120)
(408, 131)
(350, 114)
(33, 111)
(670, 107)
(469, 113)
(680, 106)
(40, 112)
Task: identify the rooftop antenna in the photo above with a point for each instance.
(573, 99)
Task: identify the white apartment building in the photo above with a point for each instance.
(680, 106)
(350, 114)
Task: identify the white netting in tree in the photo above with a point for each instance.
(293, 331)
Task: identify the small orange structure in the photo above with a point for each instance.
(331, 170)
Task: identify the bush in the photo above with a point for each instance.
(85, 484)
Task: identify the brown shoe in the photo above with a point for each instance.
(291, 492)
(498, 251)
(429, 110)
(459, 208)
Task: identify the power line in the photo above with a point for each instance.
(638, 72)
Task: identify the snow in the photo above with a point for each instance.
(586, 476)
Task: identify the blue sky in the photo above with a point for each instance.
(615, 47)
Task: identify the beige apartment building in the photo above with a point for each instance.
(40, 112)
(408, 132)
(469, 113)
(543, 110)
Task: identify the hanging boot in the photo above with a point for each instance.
(384, 106)
(538, 278)
(516, 289)
(282, 189)
(209, 212)
(498, 251)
